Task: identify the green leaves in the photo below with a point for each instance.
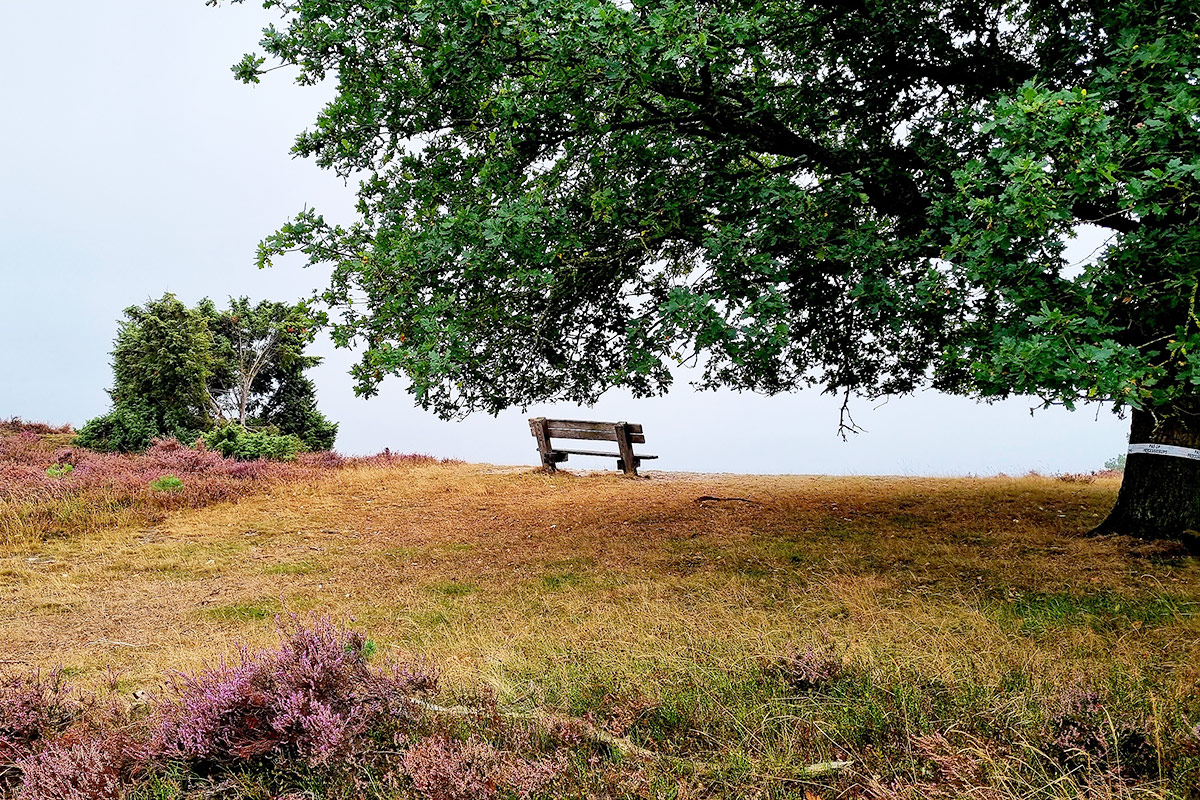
(559, 197)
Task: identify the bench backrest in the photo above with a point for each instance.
(597, 431)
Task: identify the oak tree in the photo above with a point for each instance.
(559, 197)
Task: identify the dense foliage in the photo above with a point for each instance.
(179, 372)
(567, 195)
(162, 358)
(234, 441)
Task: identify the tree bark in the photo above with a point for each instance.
(1160, 494)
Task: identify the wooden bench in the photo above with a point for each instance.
(625, 434)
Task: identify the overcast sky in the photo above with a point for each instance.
(132, 164)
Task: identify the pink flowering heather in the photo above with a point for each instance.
(16, 425)
(308, 700)
(32, 707)
(443, 768)
(75, 768)
(104, 488)
(448, 769)
(526, 778)
(809, 668)
(1084, 736)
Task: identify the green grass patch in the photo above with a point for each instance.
(167, 483)
(557, 581)
(1101, 611)
(244, 612)
(452, 588)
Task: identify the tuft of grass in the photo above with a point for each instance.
(452, 588)
(244, 612)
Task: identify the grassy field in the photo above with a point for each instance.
(950, 638)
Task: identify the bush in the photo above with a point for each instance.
(309, 701)
(810, 668)
(130, 427)
(32, 707)
(88, 767)
(234, 441)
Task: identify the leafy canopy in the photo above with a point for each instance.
(562, 196)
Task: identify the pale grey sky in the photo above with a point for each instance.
(132, 164)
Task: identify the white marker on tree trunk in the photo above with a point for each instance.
(1149, 448)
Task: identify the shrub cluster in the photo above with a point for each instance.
(14, 425)
(33, 707)
(1085, 735)
(234, 441)
(93, 765)
(808, 668)
(308, 701)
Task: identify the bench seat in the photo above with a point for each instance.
(639, 456)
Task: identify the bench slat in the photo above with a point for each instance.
(583, 425)
(597, 453)
(599, 436)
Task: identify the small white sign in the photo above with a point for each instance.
(1165, 450)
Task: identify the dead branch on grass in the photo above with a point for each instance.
(600, 736)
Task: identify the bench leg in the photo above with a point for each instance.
(628, 463)
(540, 429)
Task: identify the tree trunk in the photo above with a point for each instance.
(1160, 493)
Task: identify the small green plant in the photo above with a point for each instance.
(59, 470)
(234, 441)
(167, 483)
(1116, 462)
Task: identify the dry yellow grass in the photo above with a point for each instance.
(502, 574)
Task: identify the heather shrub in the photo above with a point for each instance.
(307, 701)
(33, 705)
(445, 768)
(1084, 735)
(114, 488)
(88, 767)
(16, 425)
(449, 769)
(322, 459)
(809, 668)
